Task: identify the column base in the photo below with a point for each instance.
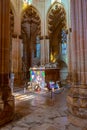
(77, 121)
(77, 104)
(6, 110)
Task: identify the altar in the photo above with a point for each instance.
(52, 74)
(42, 75)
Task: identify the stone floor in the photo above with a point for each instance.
(37, 111)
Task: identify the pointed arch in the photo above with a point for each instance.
(31, 28)
(30, 6)
(56, 11)
(56, 22)
(30, 15)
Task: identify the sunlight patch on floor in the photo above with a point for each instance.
(23, 97)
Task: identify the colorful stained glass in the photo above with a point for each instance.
(38, 76)
(43, 73)
(64, 48)
(30, 78)
(63, 36)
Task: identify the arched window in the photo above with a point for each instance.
(52, 1)
(27, 1)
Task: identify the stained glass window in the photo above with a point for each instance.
(64, 48)
(38, 76)
(63, 36)
(38, 47)
(27, 1)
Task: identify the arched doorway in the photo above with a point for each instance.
(31, 30)
(57, 31)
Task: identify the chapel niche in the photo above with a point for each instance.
(56, 24)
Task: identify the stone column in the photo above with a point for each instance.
(25, 51)
(6, 99)
(77, 97)
(68, 49)
(42, 52)
(85, 37)
(16, 60)
(46, 51)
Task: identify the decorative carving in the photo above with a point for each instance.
(31, 27)
(56, 18)
(56, 22)
(11, 22)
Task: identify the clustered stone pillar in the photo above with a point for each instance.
(16, 65)
(77, 97)
(6, 99)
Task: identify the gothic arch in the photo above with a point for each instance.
(33, 7)
(31, 28)
(56, 13)
(56, 23)
(30, 15)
